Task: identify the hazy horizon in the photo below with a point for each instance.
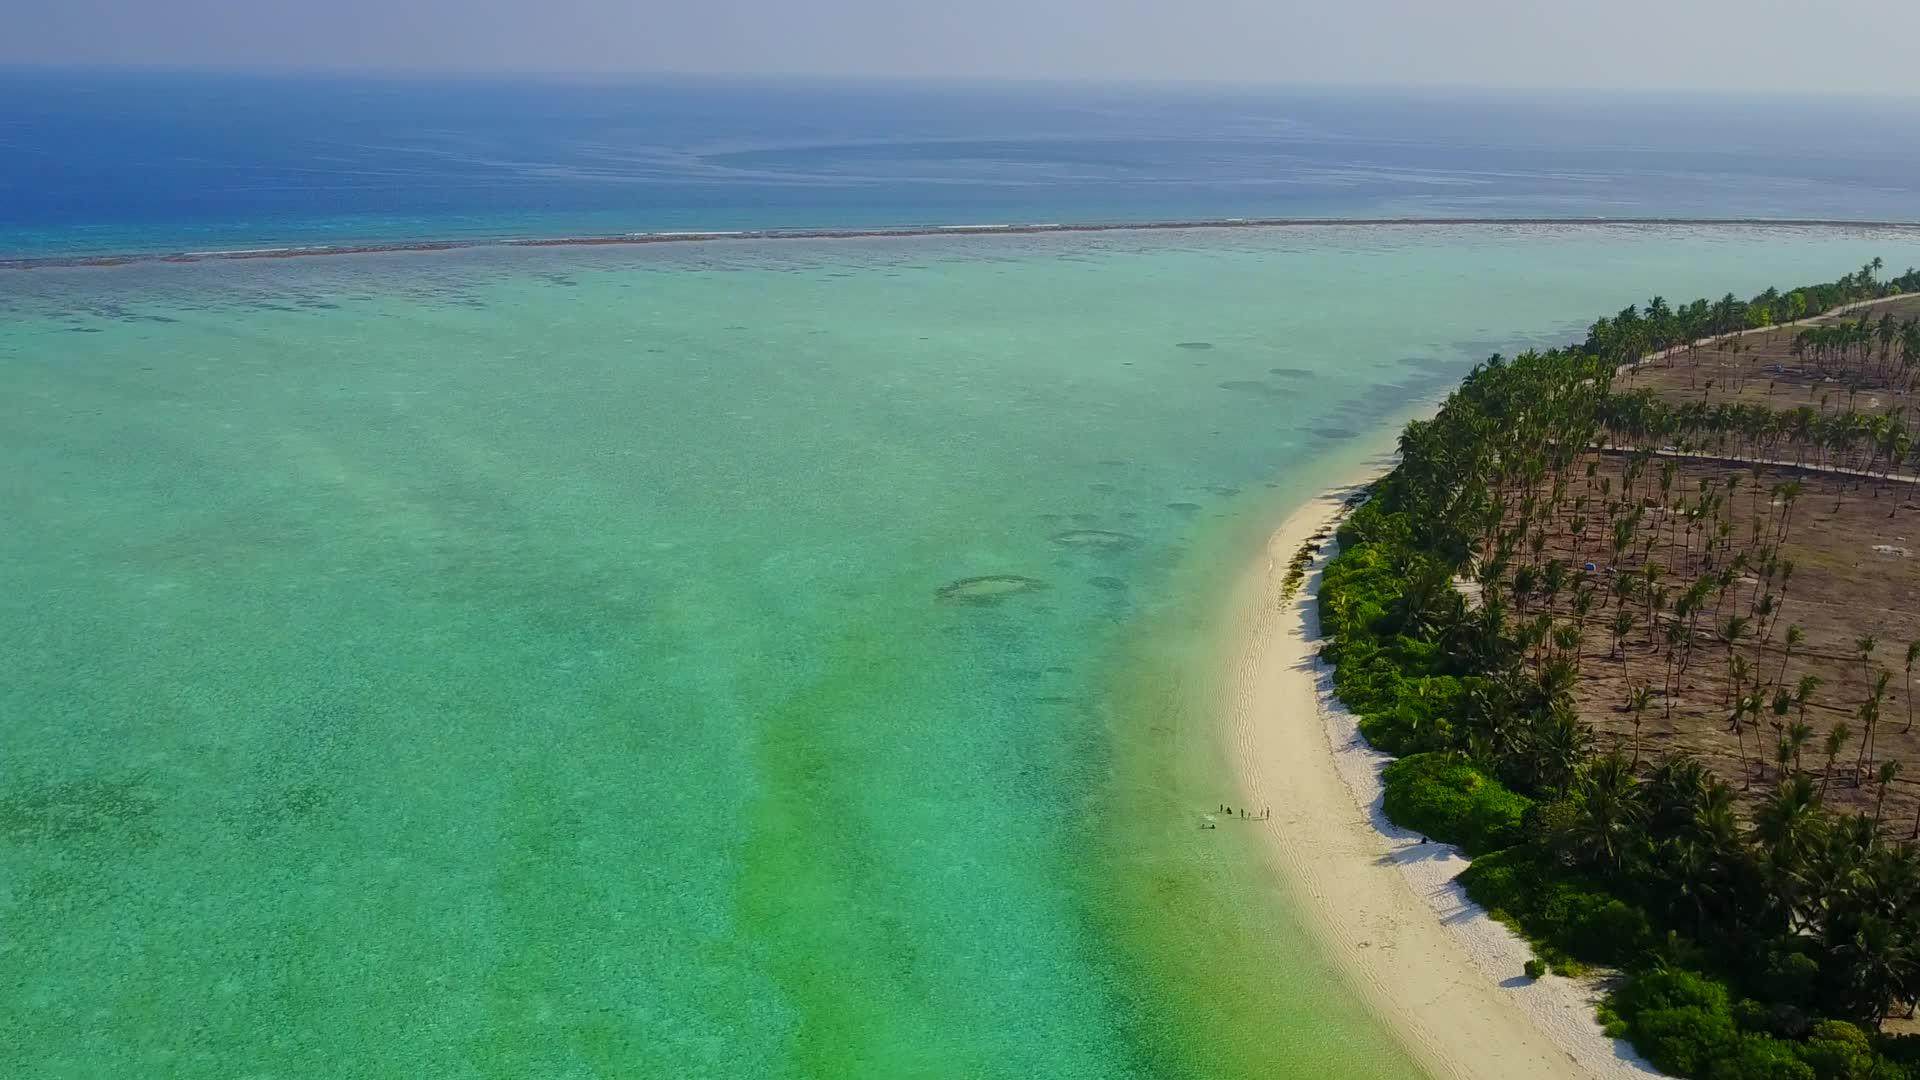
(1714, 47)
(616, 76)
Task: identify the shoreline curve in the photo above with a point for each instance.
(1443, 976)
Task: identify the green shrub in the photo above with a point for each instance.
(1839, 1051)
(1751, 1015)
(1357, 590)
(1372, 524)
(1684, 1040)
(1408, 727)
(1535, 968)
(1671, 989)
(1790, 977)
(1761, 1018)
(1759, 1057)
(1568, 916)
(1615, 929)
(1682, 1022)
(1449, 799)
(1506, 883)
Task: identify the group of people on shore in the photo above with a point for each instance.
(1245, 814)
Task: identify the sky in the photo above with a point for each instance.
(1740, 46)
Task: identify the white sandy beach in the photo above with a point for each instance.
(1446, 977)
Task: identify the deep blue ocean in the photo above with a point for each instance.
(96, 162)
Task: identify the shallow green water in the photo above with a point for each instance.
(532, 663)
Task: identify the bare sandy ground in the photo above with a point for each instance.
(1442, 974)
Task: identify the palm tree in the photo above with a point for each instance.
(1782, 754)
(1795, 636)
(1888, 770)
(1651, 591)
(1676, 636)
(1869, 720)
(1783, 749)
(1913, 655)
(1789, 493)
(1878, 963)
(1787, 826)
(1638, 701)
(1559, 744)
(1767, 610)
(1737, 673)
(1797, 736)
(1623, 621)
(1567, 639)
(1607, 831)
(1675, 792)
(1864, 645)
(1736, 723)
(1803, 692)
(1623, 589)
(1556, 682)
(1836, 741)
(1731, 631)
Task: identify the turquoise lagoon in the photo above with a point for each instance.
(547, 663)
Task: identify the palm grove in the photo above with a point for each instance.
(1769, 931)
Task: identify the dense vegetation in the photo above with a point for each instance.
(1771, 948)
